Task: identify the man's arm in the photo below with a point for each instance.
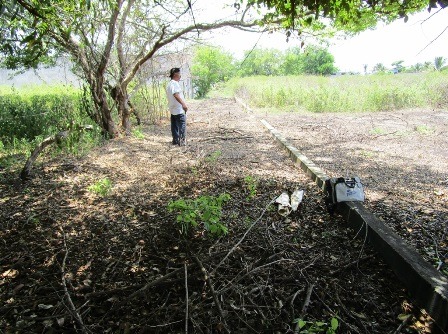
(179, 99)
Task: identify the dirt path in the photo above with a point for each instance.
(126, 268)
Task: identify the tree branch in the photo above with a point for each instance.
(71, 306)
(25, 173)
(162, 41)
(212, 290)
(121, 29)
(110, 38)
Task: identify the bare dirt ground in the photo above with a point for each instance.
(73, 261)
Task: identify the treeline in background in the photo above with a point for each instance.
(213, 65)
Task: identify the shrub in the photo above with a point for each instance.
(204, 211)
(102, 187)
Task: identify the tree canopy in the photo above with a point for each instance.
(347, 15)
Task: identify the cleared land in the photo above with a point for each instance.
(122, 263)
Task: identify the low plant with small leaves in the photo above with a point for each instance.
(251, 185)
(424, 129)
(102, 187)
(137, 133)
(213, 157)
(310, 327)
(204, 212)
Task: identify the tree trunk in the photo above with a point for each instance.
(26, 171)
(125, 111)
(100, 100)
(135, 112)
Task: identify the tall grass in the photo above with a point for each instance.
(29, 114)
(150, 101)
(342, 93)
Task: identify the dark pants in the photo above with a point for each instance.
(178, 128)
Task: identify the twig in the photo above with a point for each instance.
(242, 238)
(331, 311)
(72, 308)
(186, 298)
(96, 294)
(348, 265)
(236, 279)
(293, 298)
(230, 130)
(225, 138)
(153, 283)
(347, 312)
(305, 305)
(212, 290)
(307, 300)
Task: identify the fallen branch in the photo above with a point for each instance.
(237, 279)
(307, 300)
(243, 237)
(151, 284)
(293, 298)
(212, 290)
(346, 311)
(186, 298)
(348, 265)
(304, 306)
(225, 138)
(230, 130)
(26, 171)
(71, 307)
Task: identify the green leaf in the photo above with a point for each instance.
(403, 317)
(334, 323)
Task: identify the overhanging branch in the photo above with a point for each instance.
(162, 41)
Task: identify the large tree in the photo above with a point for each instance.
(108, 40)
(261, 62)
(210, 66)
(317, 61)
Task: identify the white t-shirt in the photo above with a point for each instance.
(172, 88)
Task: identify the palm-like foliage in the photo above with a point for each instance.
(439, 62)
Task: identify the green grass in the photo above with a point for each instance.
(101, 187)
(424, 129)
(32, 113)
(39, 90)
(353, 93)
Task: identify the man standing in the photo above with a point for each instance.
(178, 108)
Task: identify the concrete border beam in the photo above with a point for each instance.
(424, 283)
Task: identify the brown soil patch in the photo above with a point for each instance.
(72, 260)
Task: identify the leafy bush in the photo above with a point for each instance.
(26, 115)
(102, 187)
(30, 114)
(210, 66)
(204, 211)
(308, 327)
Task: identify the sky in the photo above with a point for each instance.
(413, 42)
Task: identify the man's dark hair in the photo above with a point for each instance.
(173, 71)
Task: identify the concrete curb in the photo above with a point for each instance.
(424, 283)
